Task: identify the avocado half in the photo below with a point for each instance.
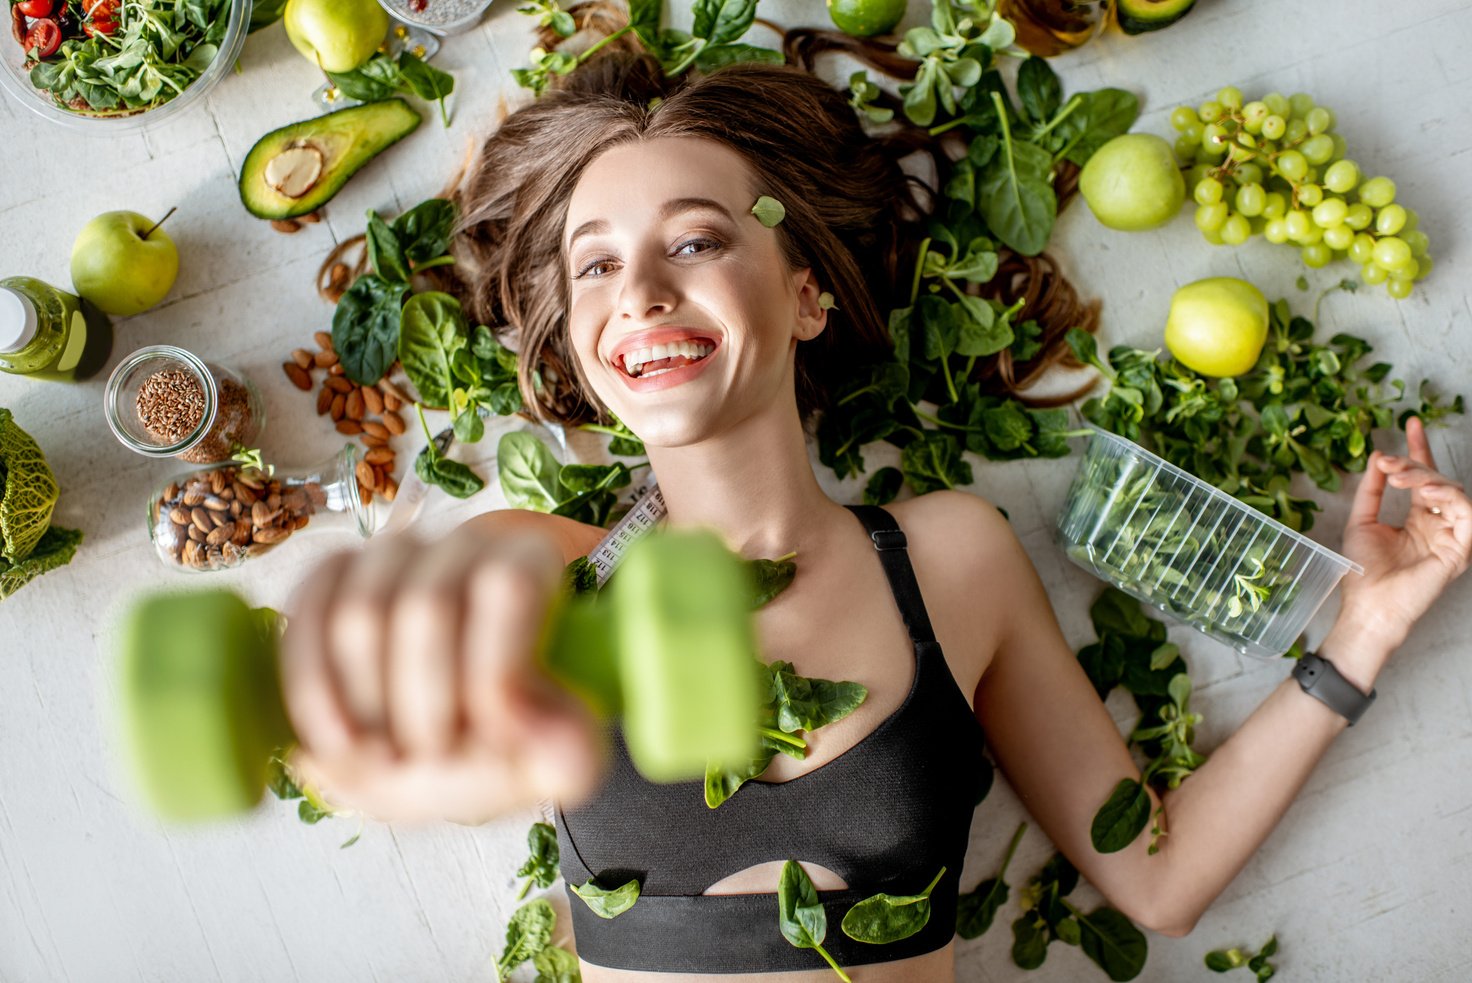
(299, 167)
(1140, 16)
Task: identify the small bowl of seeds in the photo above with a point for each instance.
(441, 17)
(163, 401)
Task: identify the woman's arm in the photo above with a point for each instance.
(1061, 751)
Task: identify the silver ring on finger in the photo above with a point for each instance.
(1434, 509)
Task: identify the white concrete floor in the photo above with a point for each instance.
(1369, 877)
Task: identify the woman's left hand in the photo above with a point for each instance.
(1406, 567)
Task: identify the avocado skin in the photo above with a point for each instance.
(1141, 16)
(349, 138)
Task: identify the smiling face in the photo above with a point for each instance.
(684, 314)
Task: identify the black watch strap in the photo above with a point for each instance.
(1319, 679)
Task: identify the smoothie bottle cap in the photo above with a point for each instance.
(17, 320)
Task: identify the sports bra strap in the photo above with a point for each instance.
(890, 543)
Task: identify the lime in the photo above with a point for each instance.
(866, 18)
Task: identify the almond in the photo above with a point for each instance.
(301, 522)
(393, 422)
(366, 476)
(365, 495)
(338, 384)
(217, 481)
(350, 428)
(297, 375)
(324, 400)
(294, 500)
(323, 338)
(325, 358)
(201, 520)
(391, 402)
(379, 456)
(215, 504)
(221, 535)
(355, 405)
(179, 516)
(389, 489)
(197, 534)
(338, 407)
(311, 218)
(335, 369)
(267, 537)
(285, 225)
(375, 442)
(302, 357)
(376, 429)
(262, 514)
(372, 400)
(389, 389)
(171, 492)
(242, 535)
(191, 555)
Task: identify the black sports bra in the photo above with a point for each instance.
(885, 815)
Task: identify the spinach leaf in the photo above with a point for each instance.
(424, 231)
(555, 964)
(529, 932)
(608, 903)
(770, 578)
(454, 477)
(724, 779)
(365, 327)
(800, 915)
(529, 472)
(719, 56)
(432, 328)
(426, 81)
(1029, 941)
(580, 576)
(976, 910)
(1015, 198)
(499, 387)
(805, 703)
(540, 867)
(1104, 115)
(1225, 960)
(723, 21)
(933, 462)
(264, 13)
(883, 486)
(377, 78)
(1113, 942)
(1121, 818)
(884, 918)
(1038, 89)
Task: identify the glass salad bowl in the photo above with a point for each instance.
(1179, 544)
(149, 64)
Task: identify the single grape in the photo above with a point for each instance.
(1372, 274)
(1298, 224)
(1362, 249)
(1301, 102)
(1330, 212)
(1407, 272)
(1208, 191)
(1211, 111)
(1339, 237)
(1413, 221)
(1235, 230)
(1196, 174)
(1250, 199)
(1182, 117)
(1275, 206)
(1248, 173)
(1195, 131)
(1423, 267)
(1277, 104)
(1274, 127)
(1296, 131)
(1318, 149)
(1377, 192)
(1391, 252)
(1319, 120)
(1342, 176)
(1186, 147)
(1216, 135)
(1359, 216)
(1210, 218)
(1316, 255)
(1230, 96)
(1390, 220)
(1253, 113)
(1313, 235)
(1340, 147)
(1276, 231)
(1309, 194)
(1293, 166)
(1213, 236)
(1399, 289)
(1240, 153)
(1417, 240)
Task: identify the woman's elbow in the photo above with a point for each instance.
(1169, 919)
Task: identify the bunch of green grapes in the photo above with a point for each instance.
(1275, 166)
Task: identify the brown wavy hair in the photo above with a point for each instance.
(850, 208)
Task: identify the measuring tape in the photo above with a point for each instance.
(648, 510)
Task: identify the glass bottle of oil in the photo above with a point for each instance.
(1051, 27)
(46, 333)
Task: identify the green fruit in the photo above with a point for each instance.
(201, 703)
(1139, 16)
(1217, 326)
(335, 35)
(120, 271)
(866, 18)
(1133, 183)
(298, 168)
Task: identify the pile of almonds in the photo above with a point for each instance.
(370, 413)
(290, 226)
(224, 516)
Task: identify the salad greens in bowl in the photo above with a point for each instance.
(111, 65)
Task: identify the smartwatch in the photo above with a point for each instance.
(1319, 679)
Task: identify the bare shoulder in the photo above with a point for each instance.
(966, 559)
(573, 538)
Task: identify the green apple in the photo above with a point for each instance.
(1217, 326)
(336, 35)
(119, 270)
(1133, 183)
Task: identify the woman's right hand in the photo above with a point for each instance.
(409, 675)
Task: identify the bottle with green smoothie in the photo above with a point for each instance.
(46, 333)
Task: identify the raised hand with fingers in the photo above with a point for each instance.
(1408, 566)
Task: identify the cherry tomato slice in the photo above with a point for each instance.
(43, 38)
(36, 8)
(95, 27)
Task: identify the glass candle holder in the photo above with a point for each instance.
(163, 401)
(218, 518)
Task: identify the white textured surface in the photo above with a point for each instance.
(1370, 877)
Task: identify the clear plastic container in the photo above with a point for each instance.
(1175, 542)
(218, 518)
(442, 17)
(163, 401)
(15, 79)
